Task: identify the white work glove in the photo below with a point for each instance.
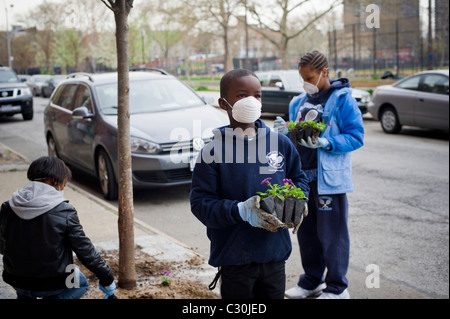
(255, 216)
(304, 214)
(320, 143)
(279, 125)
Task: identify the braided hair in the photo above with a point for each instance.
(315, 60)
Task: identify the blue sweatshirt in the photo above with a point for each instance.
(230, 170)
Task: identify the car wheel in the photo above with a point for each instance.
(28, 114)
(389, 121)
(51, 147)
(106, 177)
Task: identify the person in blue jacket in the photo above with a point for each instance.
(248, 245)
(323, 237)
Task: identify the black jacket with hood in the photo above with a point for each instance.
(39, 231)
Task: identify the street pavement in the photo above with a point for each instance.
(100, 223)
(99, 220)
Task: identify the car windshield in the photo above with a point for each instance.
(8, 77)
(149, 96)
(294, 80)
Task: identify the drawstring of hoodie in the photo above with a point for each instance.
(213, 284)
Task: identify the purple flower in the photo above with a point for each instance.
(266, 181)
(166, 273)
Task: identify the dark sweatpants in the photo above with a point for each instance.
(324, 242)
(254, 281)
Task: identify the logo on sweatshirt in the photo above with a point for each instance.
(275, 160)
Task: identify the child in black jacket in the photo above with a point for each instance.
(249, 246)
(39, 231)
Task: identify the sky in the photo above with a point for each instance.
(20, 6)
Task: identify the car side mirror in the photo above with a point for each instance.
(82, 113)
(279, 85)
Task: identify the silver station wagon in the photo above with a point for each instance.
(169, 123)
(418, 100)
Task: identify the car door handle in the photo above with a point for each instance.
(421, 100)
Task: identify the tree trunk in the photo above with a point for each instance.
(284, 55)
(228, 63)
(127, 271)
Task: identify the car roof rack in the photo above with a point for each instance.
(150, 69)
(74, 75)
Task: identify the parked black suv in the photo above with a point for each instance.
(15, 96)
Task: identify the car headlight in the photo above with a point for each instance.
(365, 99)
(141, 146)
(25, 91)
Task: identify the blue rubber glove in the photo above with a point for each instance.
(279, 125)
(109, 291)
(251, 213)
(320, 143)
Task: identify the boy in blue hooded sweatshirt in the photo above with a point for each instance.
(323, 237)
(249, 246)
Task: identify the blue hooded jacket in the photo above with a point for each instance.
(316, 103)
(345, 132)
(230, 170)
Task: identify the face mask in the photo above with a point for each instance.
(312, 89)
(246, 110)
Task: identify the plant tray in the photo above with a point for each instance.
(302, 132)
(289, 211)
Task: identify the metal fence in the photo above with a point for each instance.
(398, 46)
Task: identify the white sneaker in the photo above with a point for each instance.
(298, 292)
(329, 295)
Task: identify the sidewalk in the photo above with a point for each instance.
(99, 220)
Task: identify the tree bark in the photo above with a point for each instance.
(127, 270)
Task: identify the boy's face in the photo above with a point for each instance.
(240, 88)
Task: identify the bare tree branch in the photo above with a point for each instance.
(334, 5)
(277, 31)
(108, 6)
(129, 6)
(298, 5)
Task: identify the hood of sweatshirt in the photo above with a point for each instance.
(322, 97)
(35, 199)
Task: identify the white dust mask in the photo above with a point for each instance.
(312, 89)
(247, 110)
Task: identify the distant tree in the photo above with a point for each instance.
(93, 23)
(222, 11)
(274, 23)
(42, 23)
(68, 49)
(162, 24)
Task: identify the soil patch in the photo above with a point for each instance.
(149, 273)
